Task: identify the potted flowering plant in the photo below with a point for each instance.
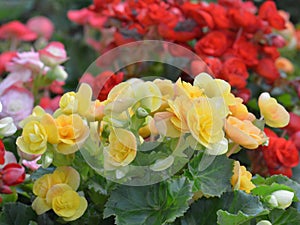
(154, 134)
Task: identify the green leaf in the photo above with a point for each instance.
(232, 208)
(153, 204)
(211, 174)
(284, 217)
(40, 172)
(17, 214)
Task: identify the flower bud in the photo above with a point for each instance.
(57, 73)
(141, 112)
(264, 222)
(53, 54)
(7, 127)
(13, 174)
(283, 199)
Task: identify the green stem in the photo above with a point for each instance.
(232, 150)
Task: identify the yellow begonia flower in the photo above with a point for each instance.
(72, 133)
(274, 114)
(244, 133)
(65, 202)
(122, 147)
(183, 88)
(79, 102)
(34, 138)
(205, 121)
(57, 191)
(241, 179)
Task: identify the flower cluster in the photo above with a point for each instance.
(232, 37)
(57, 191)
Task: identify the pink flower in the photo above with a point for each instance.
(57, 87)
(42, 26)
(16, 30)
(5, 58)
(17, 103)
(53, 54)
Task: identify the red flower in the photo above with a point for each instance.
(220, 16)
(211, 65)
(2, 153)
(296, 139)
(199, 13)
(5, 58)
(294, 124)
(268, 12)
(271, 52)
(244, 19)
(12, 174)
(50, 105)
(246, 50)
(230, 3)
(214, 43)
(235, 72)
(267, 69)
(280, 155)
(16, 30)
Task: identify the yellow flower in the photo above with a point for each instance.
(46, 186)
(33, 139)
(274, 114)
(244, 133)
(205, 120)
(241, 179)
(122, 147)
(65, 202)
(79, 102)
(72, 133)
(166, 88)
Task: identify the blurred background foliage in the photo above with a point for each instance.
(71, 35)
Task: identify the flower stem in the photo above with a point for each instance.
(232, 150)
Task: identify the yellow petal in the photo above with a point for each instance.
(56, 190)
(84, 97)
(79, 212)
(68, 175)
(51, 129)
(40, 206)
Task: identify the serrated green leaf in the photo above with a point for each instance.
(284, 217)
(150, 205)
(211, 174)
(17, 214)
(232, 208)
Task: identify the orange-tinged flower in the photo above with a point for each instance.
(72, 133)
(241, 179)
(161, 124)
(274, 114)
(284, 65)
(244, 133)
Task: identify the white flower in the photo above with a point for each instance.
(281, 199)
(7, 127)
